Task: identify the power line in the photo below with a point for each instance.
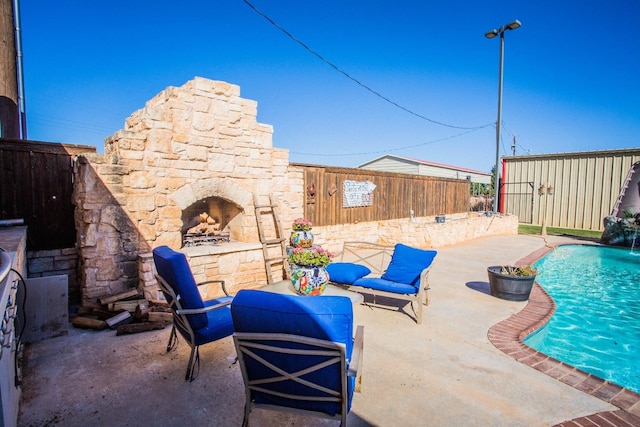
(60, 99)
(344, 73)
(58, 122)
(520, 146)
(388, 149)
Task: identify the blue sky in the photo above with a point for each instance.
(570, 75)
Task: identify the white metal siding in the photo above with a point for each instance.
(393, 165)
(414, 167)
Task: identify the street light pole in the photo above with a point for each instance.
(491, 34)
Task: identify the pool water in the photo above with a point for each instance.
(596, 326)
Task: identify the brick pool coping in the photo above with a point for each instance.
(508, 335)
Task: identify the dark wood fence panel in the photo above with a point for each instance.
(395, 195)
(36, 184)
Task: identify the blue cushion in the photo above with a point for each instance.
(346, 272)
(323, 317)
(381, 284)
(219, 324)
(407, 263)
(173, 267)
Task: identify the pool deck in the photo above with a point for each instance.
(508, 337)
(465, 366)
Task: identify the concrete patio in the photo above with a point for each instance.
(443, 373)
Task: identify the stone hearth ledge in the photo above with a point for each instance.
(224, 248)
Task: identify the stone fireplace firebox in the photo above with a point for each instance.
(208, 220)
(193, 150)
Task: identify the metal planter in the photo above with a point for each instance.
(508, 287)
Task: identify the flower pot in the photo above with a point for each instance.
(509, 287)
(308, 280)
(301, 238)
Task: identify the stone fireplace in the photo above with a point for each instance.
(192, 152)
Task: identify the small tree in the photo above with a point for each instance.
(492, 190)
(478, 189)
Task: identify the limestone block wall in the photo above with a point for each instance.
(193, 142)
(239, 269)
(422, 232)
(108, 241)
(188, 143)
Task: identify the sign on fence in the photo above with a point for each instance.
(357, 193)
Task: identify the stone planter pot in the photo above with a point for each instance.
(507, 287)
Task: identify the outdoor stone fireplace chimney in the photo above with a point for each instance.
(191, 150)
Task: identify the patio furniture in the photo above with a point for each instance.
(199, 322)
(398, 272)
(297, 354)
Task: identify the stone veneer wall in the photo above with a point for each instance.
(197, 141)
(189, 143)
(422, 232)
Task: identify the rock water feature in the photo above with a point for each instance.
(621, 231)
(635, 242)
(621, 227)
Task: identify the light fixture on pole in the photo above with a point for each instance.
(491, 34)
(544, 190)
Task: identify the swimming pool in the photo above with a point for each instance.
(596, 326)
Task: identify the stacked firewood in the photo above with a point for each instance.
(126, 312)
(207, 225)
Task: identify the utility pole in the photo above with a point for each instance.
(9, 112)
(513, 146)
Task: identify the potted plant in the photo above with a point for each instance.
(314, 256)
(510, 282)
(308, 273)
(301, 236)
(301, 224)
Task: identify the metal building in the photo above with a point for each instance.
(568, 190)
(399, 164)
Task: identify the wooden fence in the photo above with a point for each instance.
(36, 183)
(395, 195)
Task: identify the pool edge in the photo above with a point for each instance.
(508, 335)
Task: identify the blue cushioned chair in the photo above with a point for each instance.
(199, 322)
(399, 272)
(297, 354)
